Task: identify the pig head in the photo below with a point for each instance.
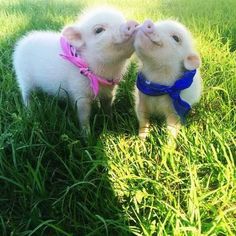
(103, 38)
(166, 43)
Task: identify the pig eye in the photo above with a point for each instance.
(176, 38)
(99, 30)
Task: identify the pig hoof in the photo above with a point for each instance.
(143, 132)
(143, 135)
(85, 132)
(171, 144)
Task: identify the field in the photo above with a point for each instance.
(52, 183)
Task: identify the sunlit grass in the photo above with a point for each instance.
(52, 183)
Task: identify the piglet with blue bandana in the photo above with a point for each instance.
(169, 81)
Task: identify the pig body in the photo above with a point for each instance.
(101, 37)
(165, 50)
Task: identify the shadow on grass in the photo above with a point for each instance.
(123, 119)
(51, 183)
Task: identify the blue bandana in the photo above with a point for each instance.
(154, 89)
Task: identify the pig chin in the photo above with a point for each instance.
(123, 39)
(145, 51)
(125, 47)
(143, 44)
(150, 41)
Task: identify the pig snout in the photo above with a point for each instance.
(129, 28)
(147, 27)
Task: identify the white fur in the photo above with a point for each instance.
(163, 61)
(38, 64)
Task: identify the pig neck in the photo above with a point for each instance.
(163, 74)
(111, 71)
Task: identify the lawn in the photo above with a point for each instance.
(52, 183)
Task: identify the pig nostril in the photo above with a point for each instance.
(129, 27)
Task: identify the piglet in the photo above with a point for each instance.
(169, 81)
(86, 60)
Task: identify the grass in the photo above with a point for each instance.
(54, 184)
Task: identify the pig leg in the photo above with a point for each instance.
(173, 127)
(143, 124)
(26, 87)
(25, 95)
(83, 111)
(143, 118)
(173, 124)
(106, 100)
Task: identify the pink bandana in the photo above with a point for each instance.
(70, 55)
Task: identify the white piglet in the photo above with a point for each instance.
(169, 81)
(86, 60)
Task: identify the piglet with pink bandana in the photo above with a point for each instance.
(86, 60)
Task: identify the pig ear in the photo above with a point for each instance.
(192, 61)
(73, 35)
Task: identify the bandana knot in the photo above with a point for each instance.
(70, 54)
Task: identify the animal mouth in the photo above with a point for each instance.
(150, 37)
(124, 40)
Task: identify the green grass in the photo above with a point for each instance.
(51, 183)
